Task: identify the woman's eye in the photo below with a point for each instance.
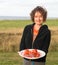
(36, 16)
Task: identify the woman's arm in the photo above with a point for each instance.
(46, 41)
(22, 43)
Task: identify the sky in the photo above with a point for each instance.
(24, 7)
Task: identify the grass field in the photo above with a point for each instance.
(12, 58)
(10, 35)
(6, 24)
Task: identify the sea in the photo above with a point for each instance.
(20, 18)
(14, 18)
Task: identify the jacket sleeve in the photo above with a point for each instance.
(46, 42)
(22, 43)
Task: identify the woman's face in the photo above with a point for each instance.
(38, 18)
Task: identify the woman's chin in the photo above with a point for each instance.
(38, 24)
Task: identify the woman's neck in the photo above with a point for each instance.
(37, 27)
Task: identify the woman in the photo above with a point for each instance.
(36, 35)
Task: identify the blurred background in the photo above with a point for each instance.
(21, 8)
(14, 16)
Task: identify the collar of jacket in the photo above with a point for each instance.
(42, 28)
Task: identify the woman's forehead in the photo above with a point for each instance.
(38, 13)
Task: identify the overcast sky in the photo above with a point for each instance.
(24, 7)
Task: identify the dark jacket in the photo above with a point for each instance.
(41, 42)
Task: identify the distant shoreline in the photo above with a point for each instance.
(14, 18)
(19, 18)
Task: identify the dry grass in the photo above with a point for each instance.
(10, 39)
(13, 30)
(54, 39)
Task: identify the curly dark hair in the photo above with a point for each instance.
(41, 10)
